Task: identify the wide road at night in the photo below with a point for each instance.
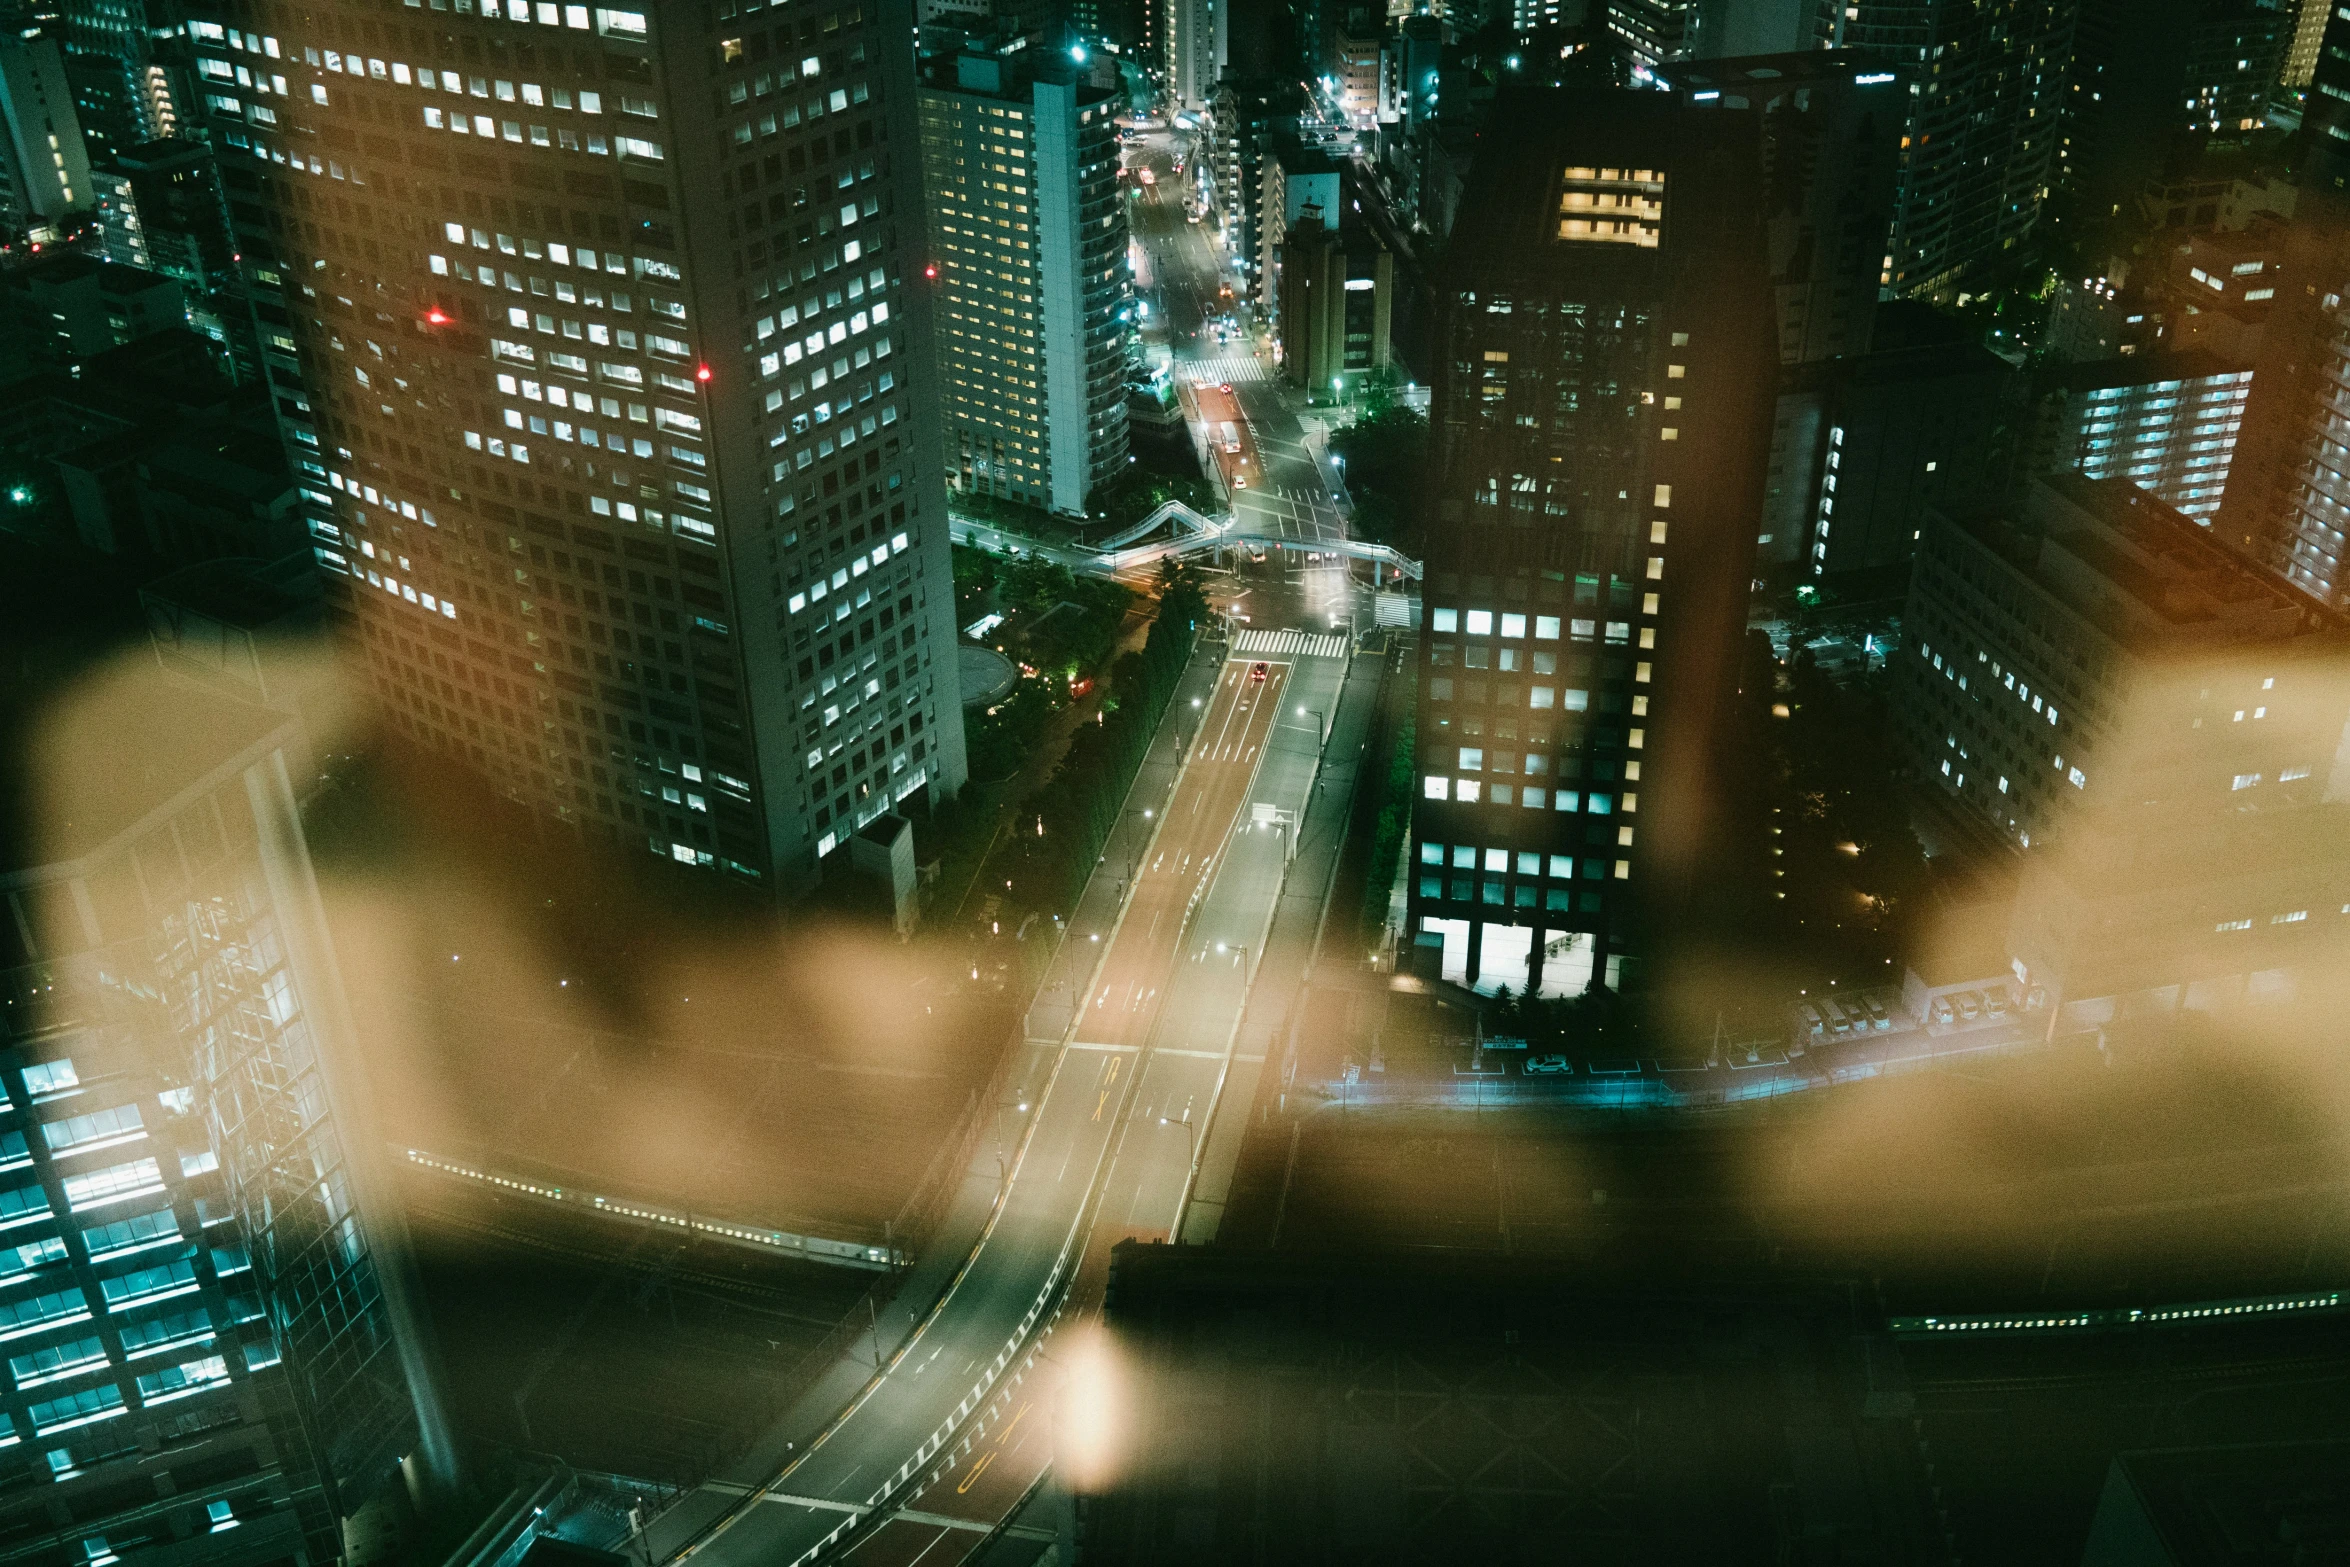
(939, 1445)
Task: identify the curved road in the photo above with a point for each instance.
(942, 1443)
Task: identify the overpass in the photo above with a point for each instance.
(1185, 533)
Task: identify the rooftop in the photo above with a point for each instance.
(2143, 573)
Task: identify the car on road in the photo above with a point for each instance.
(1257, 672)
(1537, 1066)
(1223, 386)
(1240, 481)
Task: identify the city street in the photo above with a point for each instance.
(949, 1432)
(1293, 489)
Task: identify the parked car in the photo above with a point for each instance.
(1970, 1005)
(1940, 1011)
(1878, 1016)
(1838, 1023)
(1995, 1001)
(1537, 1066)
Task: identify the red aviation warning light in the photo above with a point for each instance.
(931, 271)
(703, 375)
(436, 316)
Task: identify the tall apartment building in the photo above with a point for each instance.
(2309, 27)
(2155, 717)
(1199, 42)
(608, 393)
(44, 165)
(2166, 423)
(205, 1296)
(1979, 149)
(1244, 116)
(1028, 231)
(1601, 423)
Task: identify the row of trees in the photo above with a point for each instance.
(1075, 811)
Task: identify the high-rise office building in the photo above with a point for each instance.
(44, 165)
(1979, 150)
(1033, 308)
(1601, 424)
(601, 371)
(205, 1295)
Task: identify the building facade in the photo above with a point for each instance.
(1337, 307)
(1199, 42)
(1601, 426)
(597, 359)
(2154, 719)
(1034, 297)
(2153, 81)
(2167, 424)
(44, 164)
(1888, 436)
(205, 1293)
(1832, 124)
(1245, 115)
(1979, 149)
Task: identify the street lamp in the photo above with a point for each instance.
(1321, 720)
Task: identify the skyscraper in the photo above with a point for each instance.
(1032, 314)
(205, 1296)
(1979, 150)
(594, 347)
(1601, 426)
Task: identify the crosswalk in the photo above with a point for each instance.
(1301, 642)
(1230, 367)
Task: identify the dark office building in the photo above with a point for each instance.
(2154, 81)
(598, 366)
(1831, 136)
(1884, 437)
(161, 208)
(1602, 416)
